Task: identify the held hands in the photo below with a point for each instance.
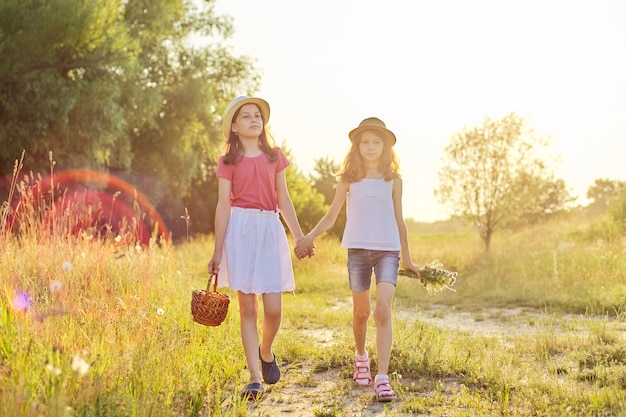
(305, 247)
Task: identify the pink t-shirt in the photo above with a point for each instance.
(253, 180)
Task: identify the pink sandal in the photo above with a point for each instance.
(362, 374)
(384, 392)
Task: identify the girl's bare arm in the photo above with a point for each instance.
(222, 217)
(405, 253)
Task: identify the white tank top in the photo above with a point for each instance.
(370, 217)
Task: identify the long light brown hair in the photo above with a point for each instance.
(353, 169)
(234, 148)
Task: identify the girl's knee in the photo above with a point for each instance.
(361, 315)
(382, 314)
(248, 310)
(273, 314)
(248, 314)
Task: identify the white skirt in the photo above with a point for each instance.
(256, 257)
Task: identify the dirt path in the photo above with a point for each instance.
(305, 393)
(320, 394)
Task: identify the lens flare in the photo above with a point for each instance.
(119, 202)
(21, 302)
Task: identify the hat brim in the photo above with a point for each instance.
(227, 122)
(388, 134)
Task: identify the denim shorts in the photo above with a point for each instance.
(361, 262)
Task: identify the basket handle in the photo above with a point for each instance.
(208, 287)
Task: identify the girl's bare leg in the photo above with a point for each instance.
(272, 316)
(384, 330)
(360, 314)
(248, 312)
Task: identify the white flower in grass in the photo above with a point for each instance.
(160, 311)
(55, 286)
(79, 365)
(53, 369)
(66, 266)
(118, 239)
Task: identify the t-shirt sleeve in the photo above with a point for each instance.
(223, 170)
(282, 162)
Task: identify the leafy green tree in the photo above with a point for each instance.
(201, 201)
(57, 72)
(308, 202)
(498, 174)
(603, 192)
(537, 198)
(117, 85)
(324, 181)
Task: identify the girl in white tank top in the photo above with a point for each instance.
(375, 233)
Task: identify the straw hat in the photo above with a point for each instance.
(373, 123)
(236, 104)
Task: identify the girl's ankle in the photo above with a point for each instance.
(362, 357)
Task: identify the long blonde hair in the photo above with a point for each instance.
(353, 169)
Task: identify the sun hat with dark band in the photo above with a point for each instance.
(373, 123)
(236, 104)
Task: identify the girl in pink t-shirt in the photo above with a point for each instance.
(376, 238)
(251, 251)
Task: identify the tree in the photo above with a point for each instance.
(118, 86)
(308, 202)
(536, 198)
(498, 174)
(59, 60)
(325, 182)
(603, 192)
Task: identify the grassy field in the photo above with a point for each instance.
(103, 328)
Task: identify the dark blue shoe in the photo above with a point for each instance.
(252, 391)
(270, 370)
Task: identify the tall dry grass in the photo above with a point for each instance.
(93, 324)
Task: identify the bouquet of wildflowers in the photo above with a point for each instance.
(433, 276)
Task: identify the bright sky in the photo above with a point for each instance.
(430, 68)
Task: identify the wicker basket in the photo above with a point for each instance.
(209, 307)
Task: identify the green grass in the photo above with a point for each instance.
(125, 311)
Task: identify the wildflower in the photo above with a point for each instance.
(66, 266)
(160, 311)
(55, 286)
(79, 365)
(118, 239)
(434, 277)
(21, 302)
(53, 369)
